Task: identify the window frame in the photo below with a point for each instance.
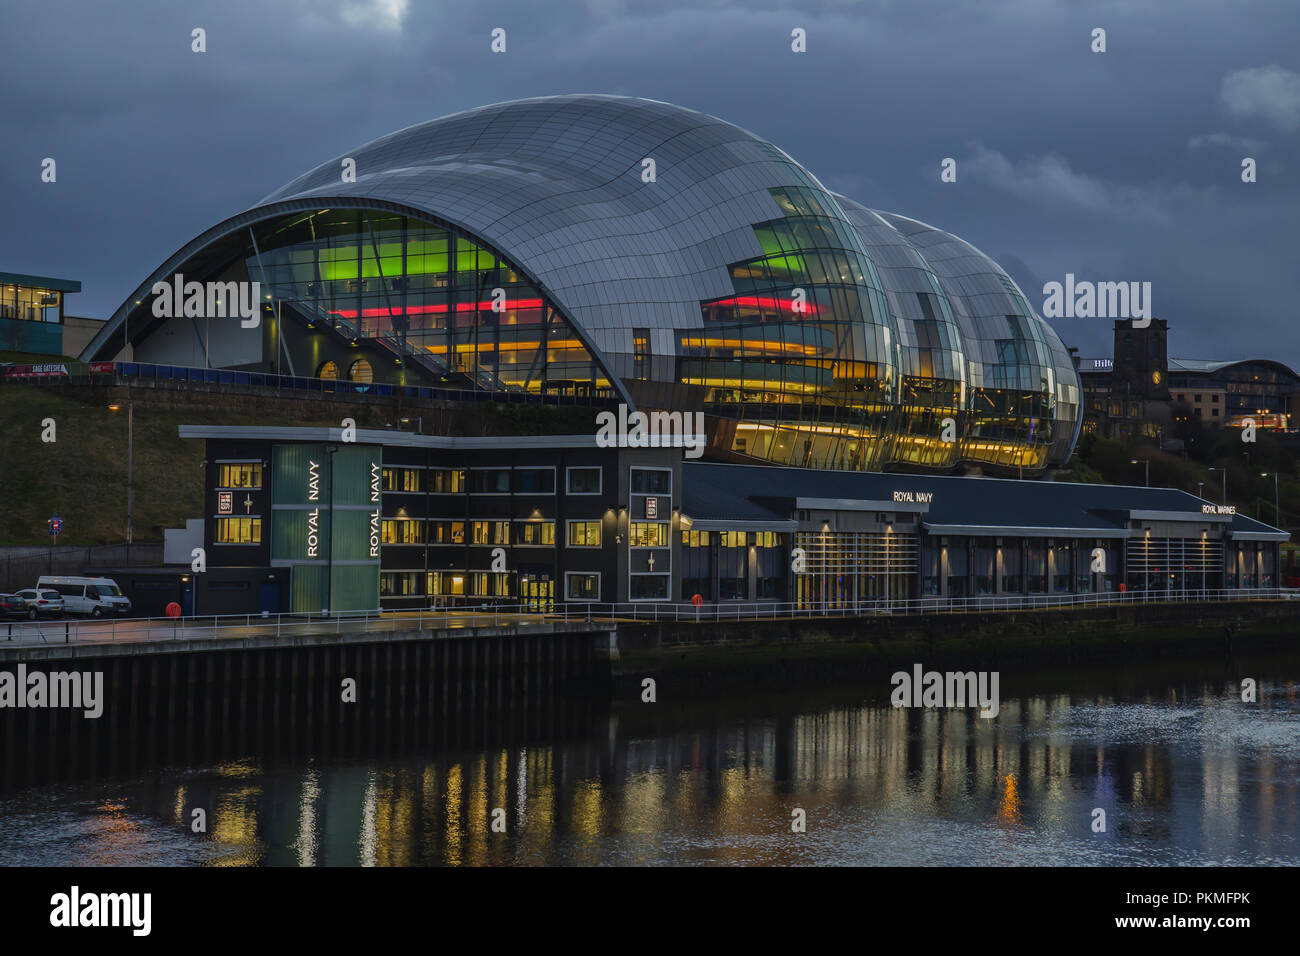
(236, 544)
(649, 494)
(582, 600)
(469, 481)
(531, 521)
(600, 476)
(535, 494)
(568, 532)
(223, 462)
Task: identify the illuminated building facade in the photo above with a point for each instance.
(625, 249)
(1140, 392)
(31, 313)
(397, 520)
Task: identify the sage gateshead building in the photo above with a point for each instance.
(627, 248)
(869, 385)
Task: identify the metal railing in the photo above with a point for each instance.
(141, 373)
(523, 616)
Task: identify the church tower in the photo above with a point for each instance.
(1141, 360)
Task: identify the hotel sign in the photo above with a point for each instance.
(225, 502)
(1219, 509)
(652, 507)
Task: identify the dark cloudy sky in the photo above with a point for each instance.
(1124, 165)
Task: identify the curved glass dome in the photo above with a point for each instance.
(614, 246)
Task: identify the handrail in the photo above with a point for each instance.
(124, 372)
(92, 630)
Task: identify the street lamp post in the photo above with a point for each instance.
(130, 469)
(1277, 514)
(1147, 462)
(1200, 485)
(1225, 482)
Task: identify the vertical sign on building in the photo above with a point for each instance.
(325, 521)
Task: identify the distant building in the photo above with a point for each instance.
(1260, 389)
(31, 314)
(1140, 392)
(1126, 397)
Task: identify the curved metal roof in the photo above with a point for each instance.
(1209, 366)
(555, 183)
(976, 302)
(558, 186)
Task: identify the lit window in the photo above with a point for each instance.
(491, 532)
(447, 481)
(239, 531)
(402, 531)
(362, 372)
(329, 370)
(535, 533)
(401, 479)
(648, 534)
(584, 534)
(244, 474)
(446, 532)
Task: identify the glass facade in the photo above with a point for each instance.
(29, 304)
(423, 289)
(802, 357)
(811, 330)
(1250, 389)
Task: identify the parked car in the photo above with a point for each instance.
(42, 602)
(11, 605)
(93, 596)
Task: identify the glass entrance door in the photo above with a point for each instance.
(537, 592)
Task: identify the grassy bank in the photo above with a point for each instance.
(82, 475)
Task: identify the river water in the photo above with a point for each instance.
(1184, 771)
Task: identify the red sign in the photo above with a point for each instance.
(97, 368)
(652, 507)
(225, 502)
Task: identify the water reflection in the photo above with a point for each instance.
(1187, 774)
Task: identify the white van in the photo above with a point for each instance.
(93, 596)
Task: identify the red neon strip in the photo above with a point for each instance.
(768, 302)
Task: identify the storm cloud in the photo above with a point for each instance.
(1117, 165)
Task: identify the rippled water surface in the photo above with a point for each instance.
(1185, 772)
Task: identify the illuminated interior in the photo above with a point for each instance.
(801, 358)
(423, 296)
(426, 288)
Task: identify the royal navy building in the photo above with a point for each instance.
(397, 520)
